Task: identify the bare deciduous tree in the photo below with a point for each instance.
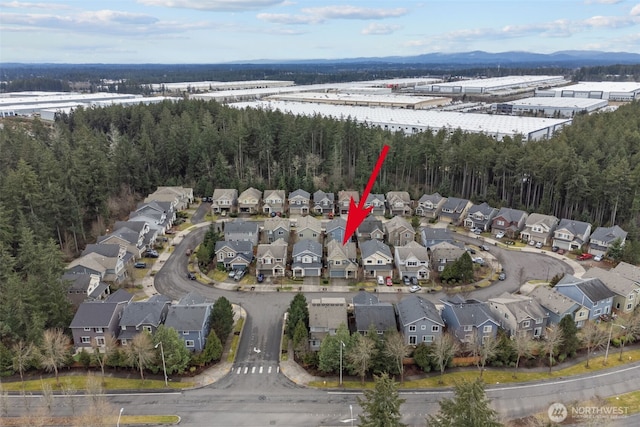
(592, 337)
(54, 351)
(102, 353)
(523, 346)
(630, 331)
(552, 339)
(140, 352)
(360, 355)
(483, 350)
(397, 349)
(443, 350)
(23, 353)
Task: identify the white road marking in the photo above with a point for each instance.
(253, 370)
(239, 369)
(260, 369)
(269, 370)
(246, 369)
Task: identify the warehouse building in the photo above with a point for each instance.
(493, 85)
(414, 121)
(371, 100)
(217, 86)
(611, 91)
(549, 107)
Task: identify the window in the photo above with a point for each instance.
(100, 341)
(147, 328)
(538, 321)
(189, 343)
(413, 339)
(629, 306)
(87, 329)
(185, 332)
(500, 223)
(487, 329)
(380, 262)
(85, 340)
(423, 327)
(124, 328)
(435, 328)
(468, 328)
(427, 338)
(412, 328)
(597, 312)
(537, 332)
(99, 330)
(526, 324)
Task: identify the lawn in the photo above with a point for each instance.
(78, 382)
(631, 401)
(235, 340)
(70, 421)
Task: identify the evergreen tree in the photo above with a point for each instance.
(221, 319)
(571, 342)
(300, 339)
(176, 354)
(213, 348)
(298, 311)
(468, 408)
(381, 406)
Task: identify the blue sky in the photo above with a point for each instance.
(216, 31)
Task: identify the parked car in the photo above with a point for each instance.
(140, 264)
(502, 276)
(191, 276)
(188, 252)
(415, 288)
(561, 251)
(239, 275)
(554, 248)
(478, 260)
(471, 251)
(232, 274)
(380, 280)
(389, 281)
(406, 280)
(499, 234)
(260, 278)
(477, 231)
(414, 280)
(539, 245)
(532, 242)
(484, 248)
(598, 258)
(584, 256)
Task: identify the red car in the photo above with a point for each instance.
(584, 256)
(389, 281)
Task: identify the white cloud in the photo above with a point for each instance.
(603, 1)
(635, 11)
(379, 29)
(287, 19)
(353, 12)
(609, 21)
(24, 5)
(213, 5)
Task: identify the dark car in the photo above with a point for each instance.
(554, 248)
(140, 264)
(414, 281)
(191, 276)
(151, 254)
(484, 248)
(406, 280)
(471, 251)
(260, 278)
(502, 276)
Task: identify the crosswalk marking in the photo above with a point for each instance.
(239, 369)
(257, 369)
(269, 370)
(260, 369)
(246, 369)
(253, 370)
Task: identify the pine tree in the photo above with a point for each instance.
(468, 408)
(221, 319)
(381, 406)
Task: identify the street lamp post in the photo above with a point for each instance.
(164, 366)
(341, 345)
(606, 353)
(119, 415)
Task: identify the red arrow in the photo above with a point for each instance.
(357, 214)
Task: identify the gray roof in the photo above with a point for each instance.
(414, 308)
(371, 197)
(370, 224)
(553, 300)
(365, 298)
(187, 317)
(381, 316)
(482, 208)
(125, 234)
(335, 223)
(135, 226)
(238, 246)
(538, 218)
(470, 312)
(94, 314)
(436, 235)
(78, 281)
(615, 282)
(300, 193)
(455, 204)
(241, 227)
(307, 245)
(629, 271)
(192, 298)
(577, 228)
(522, 307)
(106, 249)
(434, 198)
(370, 247)
(319, 195)
(144, 312)
(511, 215)
(592, 288)
(120, 296)
(608, 234)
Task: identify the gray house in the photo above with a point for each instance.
(371, 228)
(307, 259)
(399, 203)
(273, 202)
(323, 203)
(510, 221)
(519, 314)
(190, 318)
(571, 235)
(430, 205)
(419, 320)
(381, 316)
(242, 231)
(142, 316)
(433, 236)
(558, 305)
(308, 227)
(376, 259)
(159, 215)
(234, 255)
(444, 253)
(85, 286)
(539, 228)
(480, 216)
(334, 230)
(299, 202)
(271, 259)
(603, 237)
(399, 231)
(325, 316)
(412, 260)
(377, 202)
(454, 210)
(591, 293)
(469, 321)
(276, 228)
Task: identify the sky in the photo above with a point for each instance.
(219, 31)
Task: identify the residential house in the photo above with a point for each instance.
(602, 238)
(591, 293)
(142, 316)
(629, 271)
(519, 314)
(342, 260)
(444, 253)
(271, 259)
(159, 215)
(380, 316)
(377, 202)
(370, 228)
(558, 306)
(190, 318)
(344, 201)
(94, 319)
(510, 221)
(399, 231)
(138, 233)
(85, 286)
(365, 298)
(307, 258)
(454, 210)
(376, 259)
(224, 201)
(274, 202)
(234, 254)
(335, 229)
(470, 321)
(399, 203)
(325, 317)
(412, 260)
(179, 197)
(480, 216)
(308, 227)
(430, 205)
(433, 236)
(242, 231)
(539, 228)
(419, 320)
(323, 203)
(626, 291)
(131, 241)
(108, 260)
(571, 235)
(276, 228)
(299, 202)
(249, 201)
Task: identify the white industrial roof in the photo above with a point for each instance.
(501, 82)
(559, 102)
(358, 97)
(602, 87)
(470, 122)
(215, 85)
(68, 97)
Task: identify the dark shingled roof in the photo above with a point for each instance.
(381, 315)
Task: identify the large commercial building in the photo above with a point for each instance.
(217, 86)
(494, 85)
(549, 107)
(611, 91)
(414, 121)
(388, 100)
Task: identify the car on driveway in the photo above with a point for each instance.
(151, 254)
(499, 234)
(239, 275)
(539, 245)
(477, 231)
(380, 280)
(584, 256)
(478, 260)
(561, 251)
(232, 274)
(532, 242)
(471, 251)
(415, 288)
(484, 248)
(191, 276)
(140, 264)
(260, 277)
(388, 281)
(598, 258)
(414, 280)
(406, 280)
(554, 248)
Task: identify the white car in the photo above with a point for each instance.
(597, 258)
(500, 235)
(478, 260)
(415, 288)
(539, 245)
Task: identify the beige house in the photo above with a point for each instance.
(399, 203)
(430, 205)
(539, 228)
(325, 317)
(179, 197)
(626, 291)
(224, 200)
(444, 253)
(273, 202)
(308, 227)
(249, 201)
(399, 231)
(344, 200)
(342, 260)
(271, 259)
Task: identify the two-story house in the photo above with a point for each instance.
(399, 203)
(370, 228)
(444, 253)
(103, 260)
(454, 210)
(138, 230)
(519, 314)
(271, 259)
(571, 235)
(539, 228)
(419, 319)
(142, 316)
(480, 217)
(470, 321)
(323, 203)
(242, 231)
(628, 271)
(342, 260)
(509, 221)
(159, 215)
(308, 227)
(85, 286)
(307, 258)
(234, 254)
(335, 229)
(299, 202)
(591, 293)
(224, 200)
(325, 317)
(603, 237)
(626, 291)
(249, 201)
(128, 239)
(376, 259)
(433, 236)
(558, 306)
(399, 231)
(276, 228)
(430, 205)
(179, 197)
(412, 260)
(344, 200)
(190, 318)
(377, 202)
(380, 317)
(274, 202)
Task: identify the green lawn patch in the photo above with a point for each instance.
(79, 382)
(125, 420)
(631, 401)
